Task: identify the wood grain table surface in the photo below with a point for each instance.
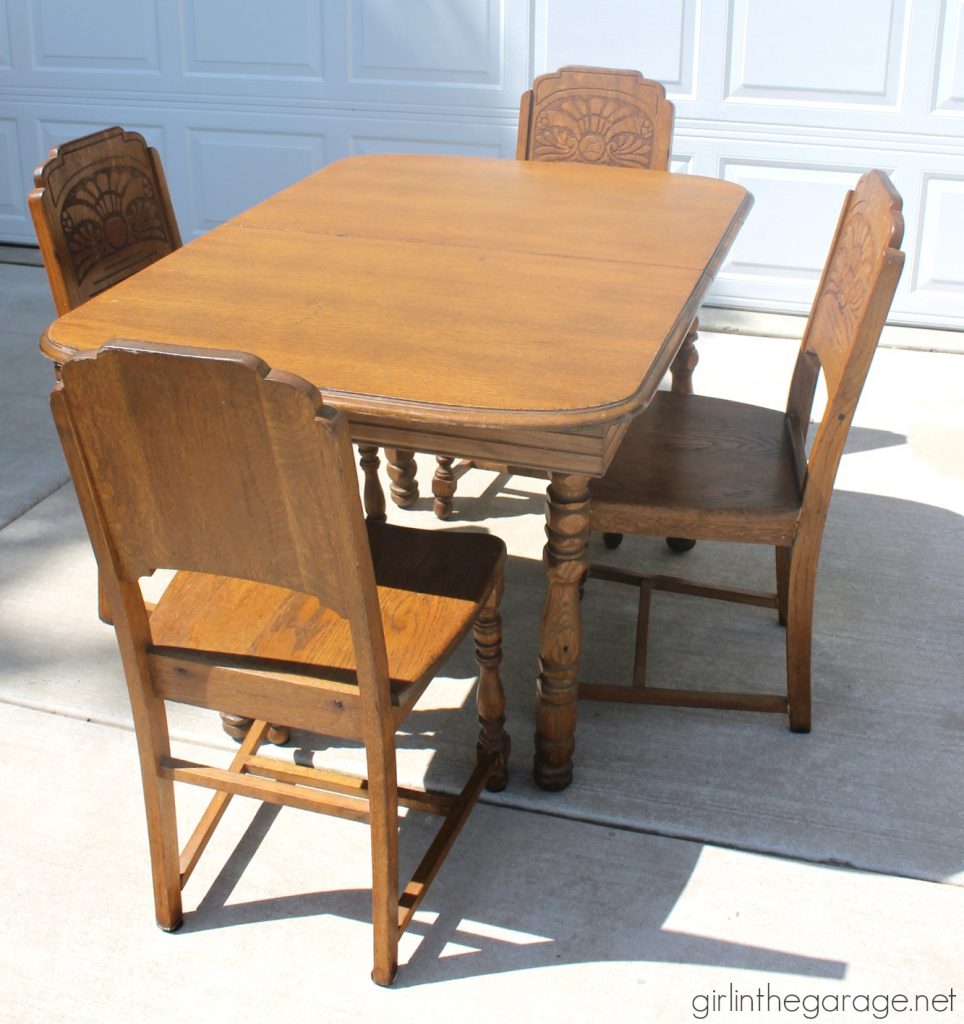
(499, 310)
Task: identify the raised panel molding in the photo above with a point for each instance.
(939, 266)
(949, 73)
(54, 132)
(660, 40)
(680, 164)
(115, 35)
(819, 53)
(250, 38)
(232, 170)
(405, 137)
(11, 185)
(786, 237)
(4, 37)
(433, 42)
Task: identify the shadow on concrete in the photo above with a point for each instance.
(536, 907)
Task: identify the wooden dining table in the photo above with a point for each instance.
(504, 311)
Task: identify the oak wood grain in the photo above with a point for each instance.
(382, 283)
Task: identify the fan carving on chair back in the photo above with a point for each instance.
(102, 212)
(848, 314)
(596, 116)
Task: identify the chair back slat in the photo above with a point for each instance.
(846, 320)
(209, 463)
(598, 116)
(102, 211)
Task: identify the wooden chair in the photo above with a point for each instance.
(719, 470)
(594, 116)
(102, 212)
(286, 605)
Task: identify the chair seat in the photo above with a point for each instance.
(703, 468)
(429, 586)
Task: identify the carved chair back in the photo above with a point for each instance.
(596, 116)
(846, 320)
(101, 211)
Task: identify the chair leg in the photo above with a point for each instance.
(443, 486)
(103, 605)
(153, 744)
(383, 796)
(679, 545)
(493, 738)
(165, 857)
(799, 647)
(783, 582)
(402, 470)
(373, 496)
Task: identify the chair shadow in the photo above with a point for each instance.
(868, 439)
(480, 925)
(498, 500)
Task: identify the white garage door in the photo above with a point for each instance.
(792, 99)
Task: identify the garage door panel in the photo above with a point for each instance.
(819, 53)
(949, 71)
(658, 39)
(11, 203)
(95, 37)
(231, 169)
(253, 40)
(4, 37)
(53, 131)
(450, 42)
(397, 136)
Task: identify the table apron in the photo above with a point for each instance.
(587, 452)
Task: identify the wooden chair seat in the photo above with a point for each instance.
(429, 585)
(705, 468)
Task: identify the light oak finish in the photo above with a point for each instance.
(598, 116)
(713, 469)
(286, 604)
(448, 267)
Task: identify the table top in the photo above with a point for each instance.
(441, 289)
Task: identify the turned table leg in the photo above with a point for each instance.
(560, 639)
(237, 726)
(682, 370)
(443, 486)
(401, 470)
(685, 362)
(373, 497)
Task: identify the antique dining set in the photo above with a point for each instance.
(511, 314)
